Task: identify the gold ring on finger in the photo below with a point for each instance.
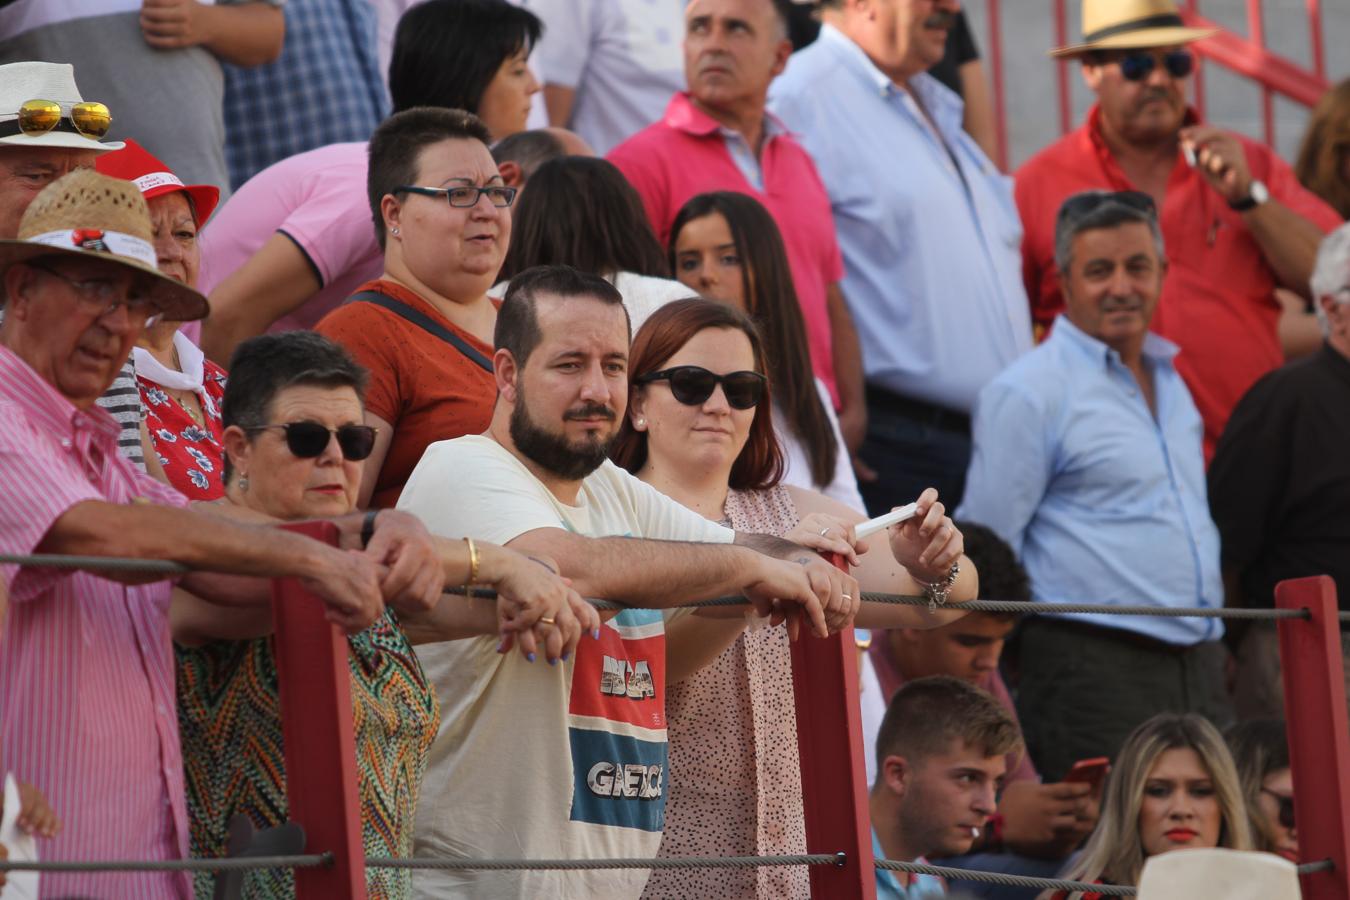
(548, 620)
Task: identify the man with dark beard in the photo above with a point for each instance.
(1088, 463)
(570, 761)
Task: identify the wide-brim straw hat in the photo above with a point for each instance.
(24, 81)
(142, 168)
(1130, 25)
(92, 216)
(1230, 874)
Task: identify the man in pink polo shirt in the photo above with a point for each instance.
(718, 137)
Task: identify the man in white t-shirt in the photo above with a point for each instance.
(609, 66)
(541, 762)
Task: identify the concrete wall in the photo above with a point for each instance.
(1232, 102)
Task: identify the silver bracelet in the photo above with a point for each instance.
(937, 592)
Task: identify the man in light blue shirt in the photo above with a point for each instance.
(941, 758)
(928, 230)
(1088, 462)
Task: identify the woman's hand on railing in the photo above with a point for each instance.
(537, 608)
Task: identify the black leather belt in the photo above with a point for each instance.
(918, 410)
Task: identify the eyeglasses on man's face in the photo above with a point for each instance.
(101, 296)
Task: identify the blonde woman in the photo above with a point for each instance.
(1174, 787)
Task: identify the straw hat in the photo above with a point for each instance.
(1131, 24)
(24, 81)
(1230, 874)
(91, 215)
(138, 165)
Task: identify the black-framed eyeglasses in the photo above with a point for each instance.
(1286, 801)
(465, 196)
(103, 296)
(309, 439)
(1136, 65)
(1084, 203)
(693, 385)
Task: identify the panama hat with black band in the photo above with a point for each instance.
(40, 106)
(86, 215)
(1131, 25)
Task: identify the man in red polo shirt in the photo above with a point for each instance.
(1236, 222)
(719, 137)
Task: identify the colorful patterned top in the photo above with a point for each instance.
(191, 452)
(230, 717)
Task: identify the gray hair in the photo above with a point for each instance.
(1331, 273)
(1108, 212)
(528, 149)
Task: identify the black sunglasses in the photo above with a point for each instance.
(1139, 64)
(692, 385)
(1286, 815)
(309, 439)
(1083, 203)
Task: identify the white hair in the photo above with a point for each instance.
(1331, 274)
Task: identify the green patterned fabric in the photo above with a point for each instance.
(230, 718)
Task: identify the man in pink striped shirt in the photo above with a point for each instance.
(86, 665)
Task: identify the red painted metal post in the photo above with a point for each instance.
(1256, 30)
(995, 13)
(1319, 47)
(1319, 737)
(1062, 67)
(834, 780)
(316, 710)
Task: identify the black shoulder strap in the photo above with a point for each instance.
(426, 323)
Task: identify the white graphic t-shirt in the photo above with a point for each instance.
(532, 760)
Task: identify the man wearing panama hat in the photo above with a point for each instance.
(1235, 220)
(86, 667)
(47, 130)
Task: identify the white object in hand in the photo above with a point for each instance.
(22, 847)
(881, 523)
(1188, 150)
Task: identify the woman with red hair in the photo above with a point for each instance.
(699, 429)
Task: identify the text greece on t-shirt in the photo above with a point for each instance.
(533, 760)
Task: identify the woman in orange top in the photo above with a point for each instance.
(424, 329)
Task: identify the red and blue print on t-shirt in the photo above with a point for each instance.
(617, 724)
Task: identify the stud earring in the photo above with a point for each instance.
(641, 422)
(393, 231)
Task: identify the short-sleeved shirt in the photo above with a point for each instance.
(426, 389)
(532, 760)
(86, 666)
(624, 59)
(326, 87)
(318, 200)
(1218, 301)
(168, 100)
(686, 154)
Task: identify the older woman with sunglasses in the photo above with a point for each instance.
(700, 430)
(424, 329)
(295, 440)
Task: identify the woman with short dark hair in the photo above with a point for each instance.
(424, 328)
(295, 437)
